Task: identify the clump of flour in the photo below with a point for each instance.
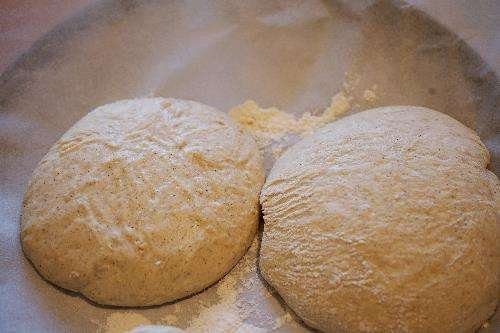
(275, 130)
(267, 124)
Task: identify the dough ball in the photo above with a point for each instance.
(143, 202)
(384, 221)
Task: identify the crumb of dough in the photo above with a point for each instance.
(339, 105)
(119, 322)
(370, 96)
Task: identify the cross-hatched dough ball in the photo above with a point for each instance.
(384, 221)
(143, 201)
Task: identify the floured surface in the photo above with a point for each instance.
(288, 54)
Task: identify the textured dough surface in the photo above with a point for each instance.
(384, 221)
(143, 201)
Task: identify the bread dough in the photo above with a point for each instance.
(384, 221)
(143, 201)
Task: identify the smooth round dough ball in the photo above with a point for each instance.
(384, 221)
(143, 202)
